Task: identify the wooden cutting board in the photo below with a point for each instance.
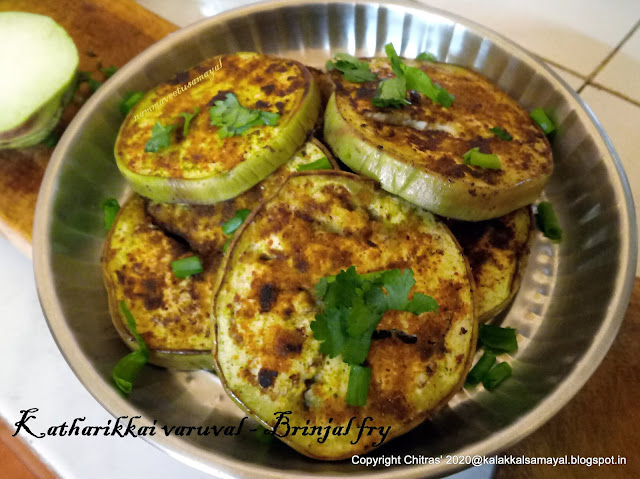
(106, 32)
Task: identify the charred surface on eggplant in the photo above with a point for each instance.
(171, 314)
(497, 251)
(329, 221)
(243, 74)
(201, 225)
(430, 140)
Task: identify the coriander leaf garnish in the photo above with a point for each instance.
(230, 226)
(126, 370)
(129, 101)
(109, 71)
(320, 164)
(392, 91)
(353, 69)
(234, 119)
(185, 267)
(187, 119)
(110, 207)
(426, 56)
(353, 306)
(473, 157)
(396, 63)
(547, 221)
(501, 133)
(541, 118)
(419, 81)
(160, 137)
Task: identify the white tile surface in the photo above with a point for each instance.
(620, 120)
(184, 13)
(575, 33)
(574, 81)
(622, 72)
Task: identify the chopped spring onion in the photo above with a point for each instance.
(482, 367)
(547, 221)
(186, 267)
(500, 133)
(109, 71)
(358, 389)
(51, 140)
(496, 375)
(541, 118)
(110, 206)
(234, 223)
(129, 101)
(126, 370)
(321, 164)
(264, 435)
(473, 157)
(500, 340)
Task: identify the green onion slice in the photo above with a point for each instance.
(496, 376)
(482, 367)
(358, 389)
(501, 133)
(126, 370)
(547, 221)
(541, 118)
(228, 227)
(185, 267)
(473, 157)
(129, 101)
(51, 140)
(500, 340)
(110, 206)
(321, 164)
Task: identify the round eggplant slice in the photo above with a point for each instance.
(497, 251)
(266, 355)
(417, 151)
(204, 166)
(202, 225)
(172, 314)
(38, 61)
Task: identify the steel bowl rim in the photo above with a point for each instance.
(223, 466)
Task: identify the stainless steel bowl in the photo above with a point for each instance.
(568, 310)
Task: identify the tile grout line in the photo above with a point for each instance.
(615, 93)
(586, 83)
(608, 58)
(562, 67)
